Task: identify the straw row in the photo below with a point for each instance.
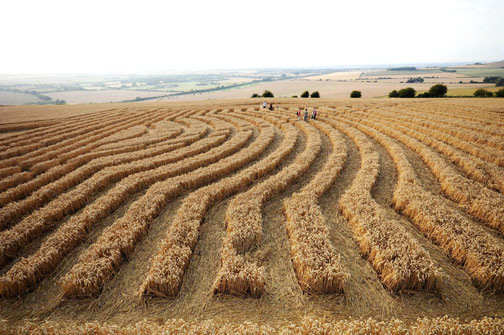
(241, 272)
(42, 150)
(316, 262)
(104, 130)
(487, 173)
(306, 325)
(464, 140)
(9, 171)
(25, 273)
(479, 252)
(124, 163)
(98, 263)
(466, 113)
(181, 162)
(480, 201)
(53, 127)
(169, 265)
(69, 130)
(394, 253)
(163, 130)
(480, 134)
(56, 172)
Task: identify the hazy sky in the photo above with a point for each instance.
(137, 36)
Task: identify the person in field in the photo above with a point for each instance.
(314, 113)
(298, 114)
(305, 117)
(264, 104)
(271, 106)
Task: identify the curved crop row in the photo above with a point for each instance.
(28, 271)
(163, 130)
(35, 149)
(240, 272)
(67, 203)
(99, 263)
(51, 170)
(458, 125)
(142, 159)
(55, 126)
(316, 262)
(169, 265)
(479, 252)
(400, 259)
(67, 130)
(487, 173)
(463, 141)
(104, 130)
(482, 202)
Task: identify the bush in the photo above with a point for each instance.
(355, 94)
(294, 96)
(255, 95)
(482, 93)
(499, 82)
(500, 93)
(315, 94)
(491, 79)
(424, 95)
(408, 92)
(415, 80)
(305, 94)
(438, 91)
(267, 94)
(393, 94)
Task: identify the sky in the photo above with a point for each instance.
(106, 36)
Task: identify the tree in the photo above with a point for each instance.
(408, 92)
(415, 80)
(305, 94)
(294, 96)
(482, 93)
(438, 91)
(255, 95)
(315, 94)
(355, 94)
(424, 95)
(393, 94)
(499, 82)
(267, 94)
(500, 93)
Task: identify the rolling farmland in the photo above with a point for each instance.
(380, 217)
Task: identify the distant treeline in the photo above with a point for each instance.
(403, 68)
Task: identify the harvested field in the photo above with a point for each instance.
(380, 217)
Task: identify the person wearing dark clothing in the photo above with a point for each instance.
(271, 107)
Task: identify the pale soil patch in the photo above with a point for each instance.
(343, 75)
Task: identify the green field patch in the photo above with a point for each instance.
(481, 72)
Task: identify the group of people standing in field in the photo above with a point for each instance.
(304, 114)
(300, 113)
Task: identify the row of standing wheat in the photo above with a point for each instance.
(72, 232)
(67, 203)
(117, 165)
(99, 262)
(316, 262)
(169, 265)
(396, 255)
(487, 173)
(479, 252)
(481, 202)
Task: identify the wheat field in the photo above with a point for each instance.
(218, 217)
